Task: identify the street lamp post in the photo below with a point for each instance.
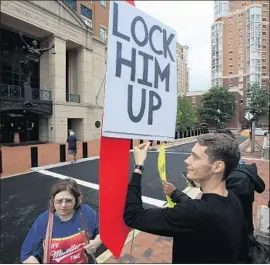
(218, 120)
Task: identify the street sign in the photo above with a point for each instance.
(249, 116)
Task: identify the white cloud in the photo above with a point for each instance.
(192, 22)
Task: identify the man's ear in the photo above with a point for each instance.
(218, 167)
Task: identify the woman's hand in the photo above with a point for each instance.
(31, 260)
(92, 246)
(140, 153)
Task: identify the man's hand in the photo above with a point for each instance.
(168, 188)
(140, 153)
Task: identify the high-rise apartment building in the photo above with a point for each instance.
(240, 44)
(182, 70)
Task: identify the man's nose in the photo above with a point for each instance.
(187, 160)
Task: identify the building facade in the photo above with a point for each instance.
(233, 124)
(67, 82)
(182, 70)
(240, 44)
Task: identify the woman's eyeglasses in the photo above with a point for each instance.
(60, 201)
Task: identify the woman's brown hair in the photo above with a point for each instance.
(69, 185)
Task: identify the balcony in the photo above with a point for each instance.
(73, 98)
(16, 92)
(12, 98)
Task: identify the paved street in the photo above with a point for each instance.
(25, 196)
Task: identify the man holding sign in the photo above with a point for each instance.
(209, 230)
(140, 103)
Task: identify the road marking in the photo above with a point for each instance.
(255, 159)
(177, 153)
(147, 200)
(62, 164)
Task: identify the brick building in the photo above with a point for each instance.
(182, 69)
(234, 123)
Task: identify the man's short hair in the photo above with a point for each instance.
(221, 146)
(228, 132)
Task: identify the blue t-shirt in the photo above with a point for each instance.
(67, 242)
(72, 142)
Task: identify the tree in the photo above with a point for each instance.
(258, 99)
(186, 116)
(217, 104)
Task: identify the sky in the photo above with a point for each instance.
(192, 21)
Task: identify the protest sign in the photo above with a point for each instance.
(141, 80)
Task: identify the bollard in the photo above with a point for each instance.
(34, 156)
(62, 153)
(85, 150)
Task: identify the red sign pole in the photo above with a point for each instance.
(113, 182)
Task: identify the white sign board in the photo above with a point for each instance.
(248, 116)
(141, 80)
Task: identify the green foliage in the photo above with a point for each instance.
(186, 116)
(217, 98)
(258, 99)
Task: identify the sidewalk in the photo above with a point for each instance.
(149, 248)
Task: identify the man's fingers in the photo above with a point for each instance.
(144, 145)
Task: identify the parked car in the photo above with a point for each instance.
(259, 131)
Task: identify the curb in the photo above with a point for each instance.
(176, 143)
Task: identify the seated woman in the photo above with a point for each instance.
(67, 225)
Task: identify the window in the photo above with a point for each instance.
(264, 60)
(244, 3)
(264, 33)
(103, 3)
(240, 78)
(71, 3)
(86, 12)
(264, 46)
(264, 19)
(240, 29)
(240, 36)
(230, 52)
(264, 4)
(264, 26)
(231, 79)
(264, 67)
(103, 33)
(230, 59)
(230, 73)
(230, 65)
